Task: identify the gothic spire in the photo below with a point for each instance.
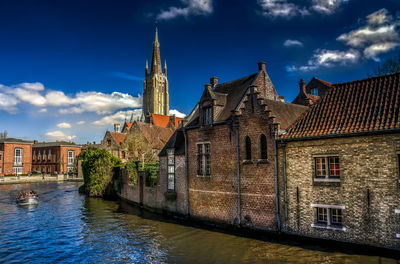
(156, 58)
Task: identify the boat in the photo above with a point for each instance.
(27, 198)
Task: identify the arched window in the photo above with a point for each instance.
(248, 148)
(263, 147)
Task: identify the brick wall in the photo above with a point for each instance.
(8, 157)
(215, 198)
(366, 162)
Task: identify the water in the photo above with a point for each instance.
(67, 227)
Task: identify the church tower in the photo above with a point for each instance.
(155, 90)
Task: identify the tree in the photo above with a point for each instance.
(390, 65)
(139, 148)
(97, 168)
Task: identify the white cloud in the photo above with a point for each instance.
(58, 135)
(327, 6)
(36, 95)
(281, 8)
(289, 8)
(119, 117)
(374, 50)
(80, 122)
(191, 7)
(8, 103)
(379, 34)
(327, 58)
(176, 113)
(292, 42)
(43, 110)
(64, 125)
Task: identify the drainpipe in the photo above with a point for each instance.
(186, 172)
(285, 178)
(278, 216)
(238, 170)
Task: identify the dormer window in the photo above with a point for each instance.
(208, 116)
(314, 91)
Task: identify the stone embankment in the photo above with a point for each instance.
(38, 178)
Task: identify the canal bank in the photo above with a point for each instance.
(154, 200)
(39, 179)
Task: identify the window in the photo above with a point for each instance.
(34, 155)
(1, 157)
(329, 216)
(38, 157)
(248, 148)
(44, 154)
(70, 157)
(171, 169)
(49, 155)
(263, 147)
(18, 157)
(109, 142)
(327, 167)
(203, 159)
(314, 91)
(0, 170)
(208, 116)
(17, 170)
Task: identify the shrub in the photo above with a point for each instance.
(97, 168)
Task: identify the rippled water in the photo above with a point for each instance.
(67, 227)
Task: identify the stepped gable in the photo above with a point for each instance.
(361, 106)
(228, 97)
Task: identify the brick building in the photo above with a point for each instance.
(55, 157)
(230, 164)
(15, 156)
(310, 94)
(339, 165)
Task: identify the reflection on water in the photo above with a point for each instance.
(68, 227)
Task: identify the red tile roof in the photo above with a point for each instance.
(118, 137)
(157, 136)
(362, 106)
(160, 120)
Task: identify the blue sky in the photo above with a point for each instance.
(69, 69)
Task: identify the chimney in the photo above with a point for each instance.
(35, 141)
(262, 66)
(302, 85)
(214, 81)
(116, 127)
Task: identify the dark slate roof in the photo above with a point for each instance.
(361, 106)
(285, 113)
(15, 140)
(228, 95)
(54, 144)
(176, 141)
(235, 91)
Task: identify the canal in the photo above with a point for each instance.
(67, 227)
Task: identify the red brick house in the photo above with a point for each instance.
(55, 157)
(340, 162)
(15, 156)
(230, 154)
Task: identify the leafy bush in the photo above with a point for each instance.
(97, 168)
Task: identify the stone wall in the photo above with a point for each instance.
(368, 189)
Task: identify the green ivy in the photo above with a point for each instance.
(97, 169)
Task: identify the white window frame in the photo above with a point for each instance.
(328, 177)
(204, 158)
(171, 169)
(18, 159)
(49, 155)
(329, 224)
(17, 170)
(38, 156)
(71, 159)
(44, 154)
